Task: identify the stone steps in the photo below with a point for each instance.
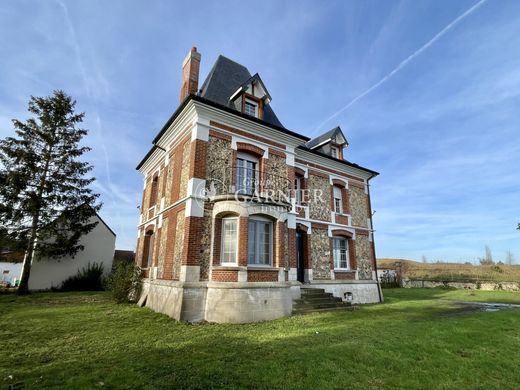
(317, 300)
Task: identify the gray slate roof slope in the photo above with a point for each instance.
(224, 79)
(324, 137)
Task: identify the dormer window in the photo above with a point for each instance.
(251, 108)
(334, 151)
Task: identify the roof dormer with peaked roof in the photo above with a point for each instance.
(330, 143)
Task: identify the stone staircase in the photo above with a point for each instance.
(316, 299)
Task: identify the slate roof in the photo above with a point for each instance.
(325, 137)
(224, 79)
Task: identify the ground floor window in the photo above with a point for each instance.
(229, 241)
(260, 242)
(340, 250)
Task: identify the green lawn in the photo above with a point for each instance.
(417, 339)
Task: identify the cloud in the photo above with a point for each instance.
(403, 63)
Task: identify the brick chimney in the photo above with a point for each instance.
(190, 74)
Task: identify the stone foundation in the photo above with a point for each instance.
(240, 302)
(362, 291)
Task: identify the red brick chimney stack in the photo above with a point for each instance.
(190, 74)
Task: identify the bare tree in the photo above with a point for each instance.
(488, 257)
(424, 259)
(510, 258)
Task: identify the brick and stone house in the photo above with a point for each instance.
(238, 212)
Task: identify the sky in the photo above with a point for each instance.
(427, 93)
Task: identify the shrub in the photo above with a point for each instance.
(125, 282)
(87, 279)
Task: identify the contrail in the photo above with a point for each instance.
(405, 61)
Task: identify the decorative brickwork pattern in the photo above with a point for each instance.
(364, 257)
(345, 275)
(320, 254)
(262, 276)
(319, 205)
(179, 241)
(219, 275)
(185, 170)
(358, 206)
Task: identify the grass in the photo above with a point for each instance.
(454, 271)
(418, 339)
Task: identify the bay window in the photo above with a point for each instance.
(340, 252)
(260, 242)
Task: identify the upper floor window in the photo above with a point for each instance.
(334, 151)
(260, 242)
(251, 108)
(298, 189)
(246, 174)
(338, 200)
(229, 241)
(340, 252)
(154, 191)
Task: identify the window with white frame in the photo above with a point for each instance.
(260, 242)
(229, 241)
(338, 200)
(246, 174)
(334, 151)
(340, 251)
(250, 108)
(298, 189)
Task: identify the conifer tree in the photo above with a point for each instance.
(46, 204)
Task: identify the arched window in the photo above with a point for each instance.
(147, 259)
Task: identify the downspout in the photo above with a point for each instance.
(373, 241)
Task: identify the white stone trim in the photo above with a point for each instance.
(237, 138)
(289, 156)
(200, 131)
(291, 221)
(194, 208)
(189, 273)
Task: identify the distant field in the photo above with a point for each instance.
(454, 271)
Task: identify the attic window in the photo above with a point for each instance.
(334, 151)
(250, 108)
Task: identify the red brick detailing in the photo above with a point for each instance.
(292, 247)
(217, 240)
(352, 253)
(243, 229)
(262, 275)
(279, 240)
(339, 183)
(300, 211)
(218, 134)
(342, 233)
(316, 225)
(192, 233)
(246, 134)
(198, 159)
(190, 74)
(156, 244)
(222, 275)
(299, 172)
(342, 275)
(302, 227)
(251, 149)
(341, 219)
